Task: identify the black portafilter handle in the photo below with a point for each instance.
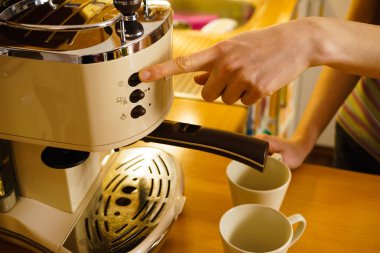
(248, 150)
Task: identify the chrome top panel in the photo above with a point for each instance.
(76, 31)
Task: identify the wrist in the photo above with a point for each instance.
(321, 48)
(306, 140)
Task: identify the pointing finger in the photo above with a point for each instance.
(183, 64)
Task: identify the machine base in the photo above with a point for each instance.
(130, 208)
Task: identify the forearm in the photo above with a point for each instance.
(328, 95)
(350, 47)
(254, 64)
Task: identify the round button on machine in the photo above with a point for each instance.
(136, 96)
(138, 111)
(134, 79)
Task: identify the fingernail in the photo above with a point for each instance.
(144, 75)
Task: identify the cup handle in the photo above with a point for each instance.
(277, 156)
(293, 219)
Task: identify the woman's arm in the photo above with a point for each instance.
(329, 93)
(348, 46)
(257, 63)
(334, 86)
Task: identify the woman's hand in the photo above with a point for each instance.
(247, 67)
(257, 63)
(293, 150)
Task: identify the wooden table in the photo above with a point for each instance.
(342, 208)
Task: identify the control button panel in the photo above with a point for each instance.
(136, 96)
(138, 111)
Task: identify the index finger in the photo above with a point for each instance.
(183, 64)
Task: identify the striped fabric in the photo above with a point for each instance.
(360, 115)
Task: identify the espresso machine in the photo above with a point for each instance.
(71, 103)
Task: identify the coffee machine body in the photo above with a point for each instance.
(90, 107)
(73, 87)
(71, 99)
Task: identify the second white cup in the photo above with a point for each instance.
(269, 187)
(253, 228)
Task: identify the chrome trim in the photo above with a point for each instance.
(69, 57)
(8, 202)
(60, 28)
(54, 6)
(158, 242)
(4, 51)
(115, 47)
(25, 240)
(2, 190)
(129, 18)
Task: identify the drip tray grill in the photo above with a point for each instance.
(138, 196)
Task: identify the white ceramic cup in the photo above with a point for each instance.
(253, 228)
(269, 187)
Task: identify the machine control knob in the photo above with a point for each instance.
(134, 80)
(138, 111)
(128, 27)
(127, 7)
(136, 96)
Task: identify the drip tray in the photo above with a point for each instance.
(140, 197)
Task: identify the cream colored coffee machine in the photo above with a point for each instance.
(70, 101)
